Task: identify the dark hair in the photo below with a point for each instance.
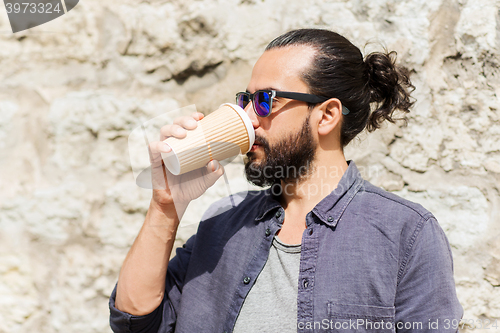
(339, 71)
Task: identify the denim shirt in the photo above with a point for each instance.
(370, 262)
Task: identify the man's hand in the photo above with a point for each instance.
(169, 189)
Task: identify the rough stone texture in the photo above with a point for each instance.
(74, 89)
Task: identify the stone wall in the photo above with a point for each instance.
(72, 91)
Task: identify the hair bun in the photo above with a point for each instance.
(388, 84)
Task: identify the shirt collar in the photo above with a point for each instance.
(270, 201)
(330, 209)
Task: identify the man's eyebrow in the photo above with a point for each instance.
(268, 88)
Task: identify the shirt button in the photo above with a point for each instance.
(246, 280)
(330, 219)
(310, 232)
(268, 232)
(278, 214)
(305, 283)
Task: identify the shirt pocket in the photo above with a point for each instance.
(348, 318)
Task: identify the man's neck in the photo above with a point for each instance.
(298, 199)
(302, 197)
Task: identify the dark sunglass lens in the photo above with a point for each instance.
(242, 100)
(262, 104)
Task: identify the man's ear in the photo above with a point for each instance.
(330, 116)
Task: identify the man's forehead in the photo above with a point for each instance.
(281, 69)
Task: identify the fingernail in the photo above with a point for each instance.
(165, 148)
(216, 165)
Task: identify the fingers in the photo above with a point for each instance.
(158, 147)
(155, 150)
(214, 171)
(180, 126)
(175, 130)
(198, 116)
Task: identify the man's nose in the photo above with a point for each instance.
(253, 117)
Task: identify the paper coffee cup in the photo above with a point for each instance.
(226, 132)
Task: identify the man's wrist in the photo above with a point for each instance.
(171, 211)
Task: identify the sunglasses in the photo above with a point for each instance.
(262, 100)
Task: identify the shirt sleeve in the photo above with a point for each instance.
(426, 299)
(163, 318)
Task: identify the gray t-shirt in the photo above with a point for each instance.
(271, 304)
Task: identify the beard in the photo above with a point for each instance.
(289, 160)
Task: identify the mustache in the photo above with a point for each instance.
(262, 141)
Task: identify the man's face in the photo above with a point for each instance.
(285, 145)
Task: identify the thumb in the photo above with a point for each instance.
(214, 171)
(215, 167)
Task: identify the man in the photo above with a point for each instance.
(321, 250)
